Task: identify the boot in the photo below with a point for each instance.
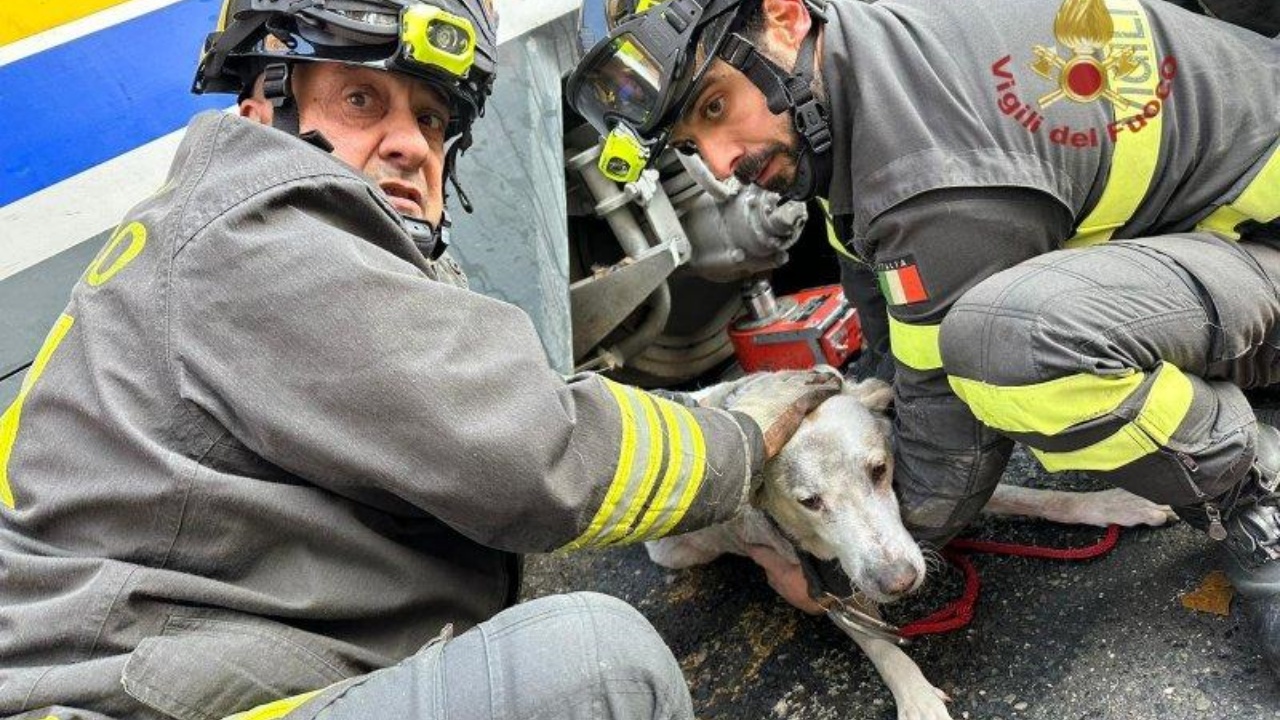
(1253, 544)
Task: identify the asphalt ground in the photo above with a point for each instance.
(1106, 639)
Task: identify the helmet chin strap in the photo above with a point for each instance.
(431, 240)
(790, 92)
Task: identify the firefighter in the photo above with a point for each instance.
(274, 446)
(1070, 208)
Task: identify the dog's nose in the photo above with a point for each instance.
(897, 581)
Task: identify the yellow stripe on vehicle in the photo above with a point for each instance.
(1045, 408)
(224, 15)
(1260, 200)
(1161, 414)
(23, 18)
(275, 710)
(1136, 154)
(653, 463)
(618, 486)
(916, 346)
(12, 417)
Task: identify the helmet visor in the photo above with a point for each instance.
(641, 75)
(622, 82)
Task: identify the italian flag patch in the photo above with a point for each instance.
(900, 281)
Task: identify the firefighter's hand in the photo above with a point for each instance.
(778, 401)
(785, 577)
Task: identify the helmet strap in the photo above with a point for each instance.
(277, 87)
(451, 169)
(431, 240)
(790, 92)
(783, 90)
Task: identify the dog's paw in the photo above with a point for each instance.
(1120, 507)
(924, 705)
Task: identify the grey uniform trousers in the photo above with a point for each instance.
(1207, 306)
(581, 656)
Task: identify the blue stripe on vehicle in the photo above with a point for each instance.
(79, 104)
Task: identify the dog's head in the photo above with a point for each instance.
(830, 489)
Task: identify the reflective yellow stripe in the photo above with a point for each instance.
(682, 467)
(670, 435)
(1133, 162)
(23, 18)
(274, 710)
(1259, 201)
(13, 416)
(617, 486)
(675, 462)
(1164, 409)
(698, 455)
(915, 346)
(1045, 408)
(832, 238)
(653, 462)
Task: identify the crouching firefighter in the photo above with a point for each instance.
(274, 454)
(1070, 208)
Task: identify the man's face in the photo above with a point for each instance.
(729, 123)
(389, 126)
(730, 126)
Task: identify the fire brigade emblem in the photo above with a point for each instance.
(1085, 27)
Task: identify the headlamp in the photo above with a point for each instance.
(624, 156)
(430, 36)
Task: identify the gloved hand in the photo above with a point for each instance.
(778, 401)
(873, 362)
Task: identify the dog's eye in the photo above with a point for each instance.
(813, 502)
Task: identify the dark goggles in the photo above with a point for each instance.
(640, 76)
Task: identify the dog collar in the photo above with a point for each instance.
(845, 614)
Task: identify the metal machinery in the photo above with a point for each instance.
(657, 266)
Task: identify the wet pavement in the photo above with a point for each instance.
(1106, 639)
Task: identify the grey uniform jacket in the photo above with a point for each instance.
(945, 161)
(267, 447)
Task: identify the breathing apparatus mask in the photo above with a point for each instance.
(638, 81)
(450, 44)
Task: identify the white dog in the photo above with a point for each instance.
(829, 491)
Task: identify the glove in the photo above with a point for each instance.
(872, 362)
(778, 401)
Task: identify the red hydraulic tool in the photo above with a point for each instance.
(811, 327)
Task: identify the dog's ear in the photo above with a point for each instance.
(875, 395)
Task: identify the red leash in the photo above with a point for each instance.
(959, 612)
